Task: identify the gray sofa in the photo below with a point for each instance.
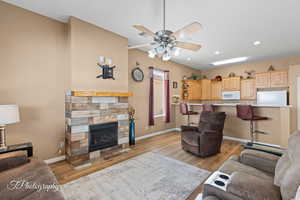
(258, 175)
(26, 179)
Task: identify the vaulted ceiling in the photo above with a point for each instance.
(230, 26)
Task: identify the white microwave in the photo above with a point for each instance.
(231, 95)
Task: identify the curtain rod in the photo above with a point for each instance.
(151, 67)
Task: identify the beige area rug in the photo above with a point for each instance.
(149, 176)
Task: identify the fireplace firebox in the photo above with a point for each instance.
(102, 136)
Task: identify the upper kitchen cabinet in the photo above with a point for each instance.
(231, 84)
(279, 78)
(248, 89)
(273, 79)
(216, 90)
(206, 89)
(263, 80)
(191, 90)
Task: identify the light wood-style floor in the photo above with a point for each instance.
(166, 144)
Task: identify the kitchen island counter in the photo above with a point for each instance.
(234, 104)
(277, 126)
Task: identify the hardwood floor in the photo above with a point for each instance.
(166, 144)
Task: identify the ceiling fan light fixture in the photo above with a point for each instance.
(165, 42)
(152, 53)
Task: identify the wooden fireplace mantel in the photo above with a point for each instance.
(83, 93)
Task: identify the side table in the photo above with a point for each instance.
(19, 147)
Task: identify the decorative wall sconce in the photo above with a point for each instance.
(107, 68)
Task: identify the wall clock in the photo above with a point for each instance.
(137, 74)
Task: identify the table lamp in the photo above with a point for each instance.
(9, 114)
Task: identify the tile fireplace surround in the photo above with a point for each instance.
(87, 108)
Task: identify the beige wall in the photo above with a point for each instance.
(259, 66)
(87, 43)
(141, 89)
(34, 75)
(42, 58)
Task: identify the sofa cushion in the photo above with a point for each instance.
(251, 187)
(287, 175)
(282, 166)
(290, 182)
(259, 160)
(231, 166)
(16, 183)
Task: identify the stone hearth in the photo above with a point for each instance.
(86, 108)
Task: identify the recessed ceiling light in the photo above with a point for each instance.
(228, 61)
(217, 52)
(189, 58)
(256, 43)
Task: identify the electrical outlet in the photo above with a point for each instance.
(61, 144)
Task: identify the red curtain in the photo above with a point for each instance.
(151, 99)
(167, 96)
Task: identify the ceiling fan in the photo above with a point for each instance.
(165, 42)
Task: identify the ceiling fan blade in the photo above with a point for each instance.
(144, 30)
(188, 46)
(189, 29)
(139, 46)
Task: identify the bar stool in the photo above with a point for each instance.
(184, 110)
(208, 107)
(245, 112)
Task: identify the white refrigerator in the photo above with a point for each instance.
(272, 98)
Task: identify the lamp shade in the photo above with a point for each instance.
(9, 114)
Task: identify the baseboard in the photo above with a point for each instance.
(245, 141)
(125, 140)
(121, 141)
(55, 159)
(156, 133)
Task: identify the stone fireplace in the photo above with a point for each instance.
(96, 123)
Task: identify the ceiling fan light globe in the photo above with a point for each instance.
(176, 51)
(166, 57)
(151, 53)
(160, 50)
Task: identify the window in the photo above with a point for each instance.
(159, 93)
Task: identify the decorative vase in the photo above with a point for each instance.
(131, 132)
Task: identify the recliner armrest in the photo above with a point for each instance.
(189, 128)
(259, 160)
(251, 187)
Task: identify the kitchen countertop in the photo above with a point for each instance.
(234, 104)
